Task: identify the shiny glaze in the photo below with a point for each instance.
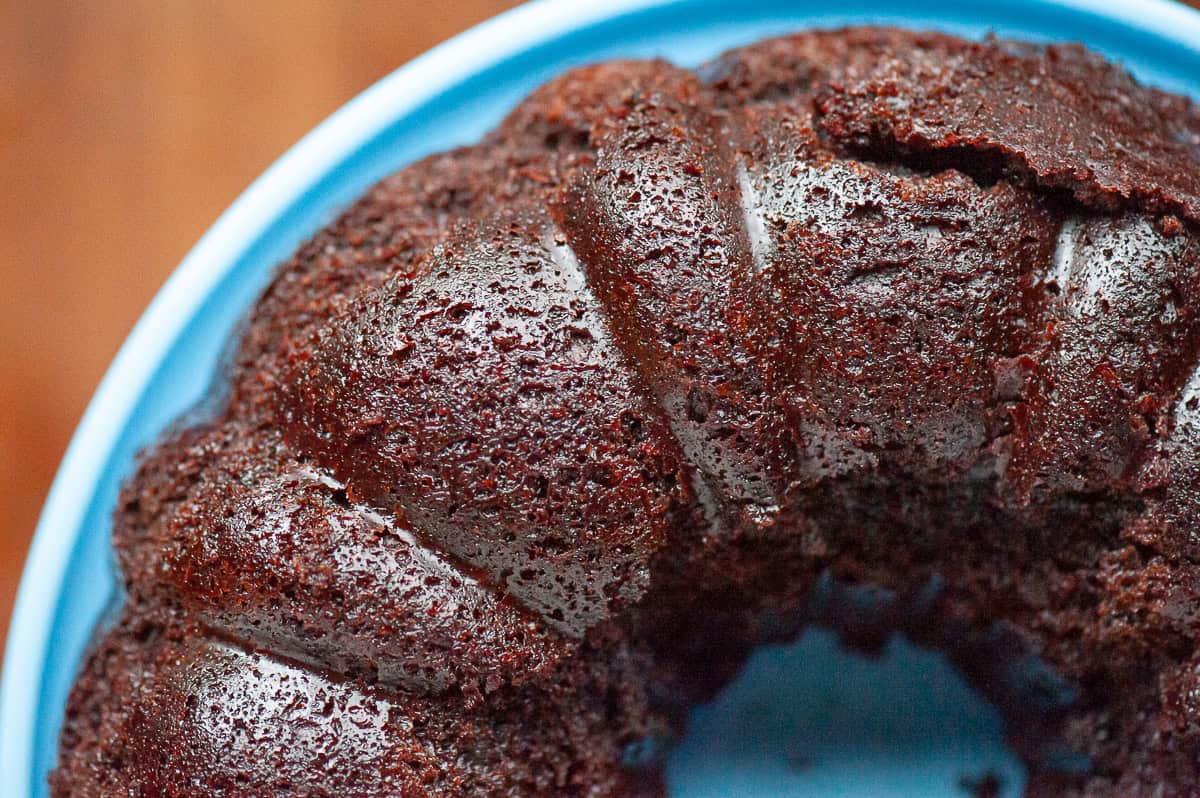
(656, 222)
(487, 406)
(287, 561)
(871, 329)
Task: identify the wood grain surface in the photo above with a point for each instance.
(126, 127)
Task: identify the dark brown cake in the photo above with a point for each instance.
(882, 331)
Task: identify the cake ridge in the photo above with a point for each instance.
(666, 359)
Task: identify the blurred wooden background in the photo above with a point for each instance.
(126, 127)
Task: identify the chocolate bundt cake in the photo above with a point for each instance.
(886, 332)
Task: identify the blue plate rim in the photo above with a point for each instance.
(235, 231)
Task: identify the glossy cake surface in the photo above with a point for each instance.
(519, 458)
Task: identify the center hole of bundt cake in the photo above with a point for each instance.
(813, 718)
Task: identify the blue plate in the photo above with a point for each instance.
(805, 720)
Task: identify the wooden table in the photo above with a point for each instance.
(126, 127)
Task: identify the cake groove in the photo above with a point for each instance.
(878, 330)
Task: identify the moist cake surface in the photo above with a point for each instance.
(883, 331)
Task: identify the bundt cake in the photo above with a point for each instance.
(881, 331)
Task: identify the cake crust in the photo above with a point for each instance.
(884, 331)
